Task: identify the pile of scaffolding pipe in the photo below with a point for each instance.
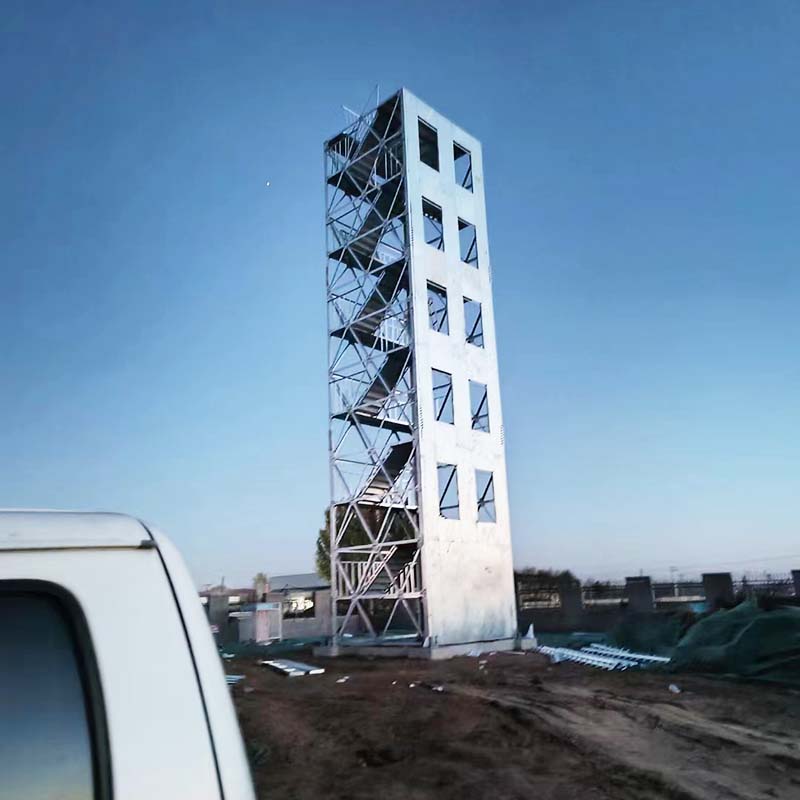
(556, 654)
(621, 652)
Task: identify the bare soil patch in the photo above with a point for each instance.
(519, 728)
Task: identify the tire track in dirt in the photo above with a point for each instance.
(666, 748)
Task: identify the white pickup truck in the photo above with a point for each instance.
(110, 683)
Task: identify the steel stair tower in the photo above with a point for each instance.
(375, 370)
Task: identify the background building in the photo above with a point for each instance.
(289, 607)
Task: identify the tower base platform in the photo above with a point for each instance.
(429, 652)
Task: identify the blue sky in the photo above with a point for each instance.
(162, 335)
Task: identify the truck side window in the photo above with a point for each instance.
(46, 737)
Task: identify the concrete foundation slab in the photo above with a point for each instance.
(436, 653)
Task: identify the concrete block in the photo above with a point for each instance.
(718, 588)
(639, 594)
(571, 598)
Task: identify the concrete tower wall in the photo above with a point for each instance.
(466, 564)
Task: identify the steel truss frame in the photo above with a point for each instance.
(376, 578)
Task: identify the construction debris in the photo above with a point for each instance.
(232, 680)
(558, 654)
(291, 669)
(621, 652)
(602, 656)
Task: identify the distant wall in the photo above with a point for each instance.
(592, 620)
(565, 605)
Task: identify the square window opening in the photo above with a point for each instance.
(479, 406)
(484, 483)
(468, 242)
(428, 145)
(448, 491)
(437, 308)
(434, 229)
(462, 160)
(473, 322)
(443, 396)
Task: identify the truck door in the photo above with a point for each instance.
(99, 695)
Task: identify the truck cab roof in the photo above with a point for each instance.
(22, 529)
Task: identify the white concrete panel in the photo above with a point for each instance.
(467, 565)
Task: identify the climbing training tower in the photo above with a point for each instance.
(419, 521)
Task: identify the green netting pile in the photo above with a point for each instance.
(656, 633)
(746, 641)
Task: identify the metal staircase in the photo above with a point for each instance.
(373, 453)
(386, 474)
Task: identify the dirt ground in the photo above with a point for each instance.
(518, 728)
